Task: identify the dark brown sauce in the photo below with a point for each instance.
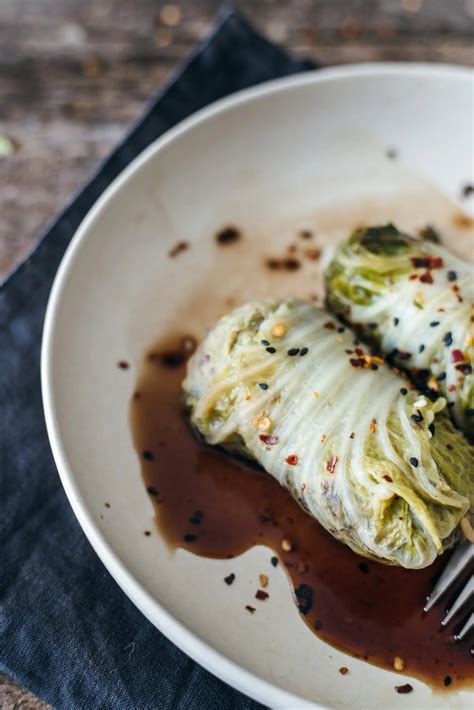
(286, 263)
(228, 235)
(216, 506)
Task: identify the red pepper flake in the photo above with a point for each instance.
(464, 367)
(456, 290)
(427, 262)
(404, 689)
(260, 594)
(330, 325)
(373, 426)
(357, 361)
(413, 277)
(177, 249)
(359, 352)
(457, 355)
(331, 464)
(288, 263)
(268, 439)
(386, 477)
(426, 277)
(251, 609)
(451, 388)
(349, 352)
(313, 254)
(292, 459)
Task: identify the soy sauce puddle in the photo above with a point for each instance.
(215, 506)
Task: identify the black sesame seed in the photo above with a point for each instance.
(148, 456)
(452, 276)
(451, 404)
(229, 579)
(421, 348)
(470, 412)
(151, 490)
(416, 417)
(414, 461)
(441, 376)
(403, 390)
(196, 518)
(396, 321)
(434, 323)
(431, 428)
(364, 567)
(263, 385)
(190, 538)
(265, 342)
(293, 351)
(274, 561)
(447, 680)
(372, 326)
(304, 598)
(341, 329)
(448, 339)
(270, 350)
(303, 351)
(374, 366)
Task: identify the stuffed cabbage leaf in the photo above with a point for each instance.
(415, 301)
(379, 466)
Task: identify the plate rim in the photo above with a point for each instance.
(199, 650)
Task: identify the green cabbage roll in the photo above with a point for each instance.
(415, 301)
(381, 467)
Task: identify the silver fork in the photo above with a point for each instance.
(460, 560)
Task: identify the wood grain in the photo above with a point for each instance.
(74, 74)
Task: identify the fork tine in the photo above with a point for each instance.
(467, 628)
(457, 563)
(460, 601)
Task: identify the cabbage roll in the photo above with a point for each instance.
(378, 465)
(415, 301)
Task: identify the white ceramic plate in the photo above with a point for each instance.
(308, 151)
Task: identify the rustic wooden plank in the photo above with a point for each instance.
(75, 73)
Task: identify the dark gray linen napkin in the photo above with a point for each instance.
(67, 631)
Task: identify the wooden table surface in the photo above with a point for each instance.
(74, 74)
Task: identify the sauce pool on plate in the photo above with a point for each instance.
(217, 506)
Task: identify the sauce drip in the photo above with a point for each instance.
(216, 506)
